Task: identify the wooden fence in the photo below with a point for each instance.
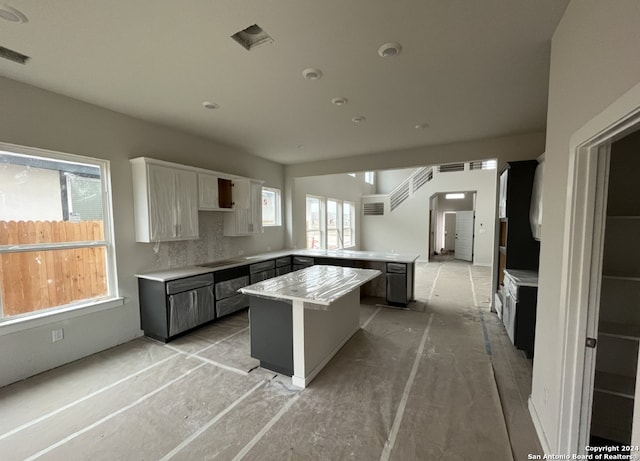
(35, 280)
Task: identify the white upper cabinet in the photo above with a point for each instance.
(207, 192)
(214, 193)
(246, 218)
(165, 201)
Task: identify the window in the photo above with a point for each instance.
(314, 222)
(369, 177)
(338, 223)
(271, 214)
(334, 220)
(56, 245)
(454, 196)
(348, 224)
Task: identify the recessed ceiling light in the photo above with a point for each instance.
(312, 74)
(390, 49)
(339, 101)
(210, 105)
(359, 118)
(422, 126)
(9, 13)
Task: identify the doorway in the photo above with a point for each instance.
(452, 221)
(611, 363)
(593, 303)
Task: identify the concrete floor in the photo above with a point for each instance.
(439, 381)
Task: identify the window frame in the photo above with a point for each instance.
(370, 177)
(112, 298)
(338, 225)
(321, 221)
(352, 220)
(324, 222)
(277, 206)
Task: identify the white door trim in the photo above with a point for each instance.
(613, 123)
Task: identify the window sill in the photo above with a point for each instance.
(39, 319)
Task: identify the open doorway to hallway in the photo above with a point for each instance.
(451, 234)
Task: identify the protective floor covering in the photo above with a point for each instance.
(412, 384)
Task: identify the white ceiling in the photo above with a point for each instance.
(471, 69)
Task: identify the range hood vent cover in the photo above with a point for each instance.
(12, 55)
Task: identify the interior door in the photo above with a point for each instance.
(449, 231)
(464, 235)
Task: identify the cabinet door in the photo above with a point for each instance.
(502, 204)
(225, 195)
(207, 192)
(186, 205)
(162, 203)
(256, 208)
(189, 309)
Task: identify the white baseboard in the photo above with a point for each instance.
(537, 424)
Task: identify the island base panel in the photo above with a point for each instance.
(319, 333)
(272, 334)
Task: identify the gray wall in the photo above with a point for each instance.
(594, 61)
(33, 117)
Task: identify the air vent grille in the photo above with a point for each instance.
(484, 165)
(252, 37)
(373, 209)
(450, 167)
(14, 56)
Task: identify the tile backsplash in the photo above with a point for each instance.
(211, 245)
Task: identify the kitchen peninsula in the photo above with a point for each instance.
(300, 320)
(176, 300)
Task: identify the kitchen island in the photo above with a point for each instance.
(300, 320)
(176, 300)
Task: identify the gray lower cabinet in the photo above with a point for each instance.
(227, 284)
(399, 279)
(262, 271)
(283, 265)
(168, 309)
(300, 262)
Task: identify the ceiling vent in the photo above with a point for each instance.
(373, 208)
(14, 56)
(252, 37)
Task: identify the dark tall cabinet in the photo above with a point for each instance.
(519, 255)
(518, 248)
